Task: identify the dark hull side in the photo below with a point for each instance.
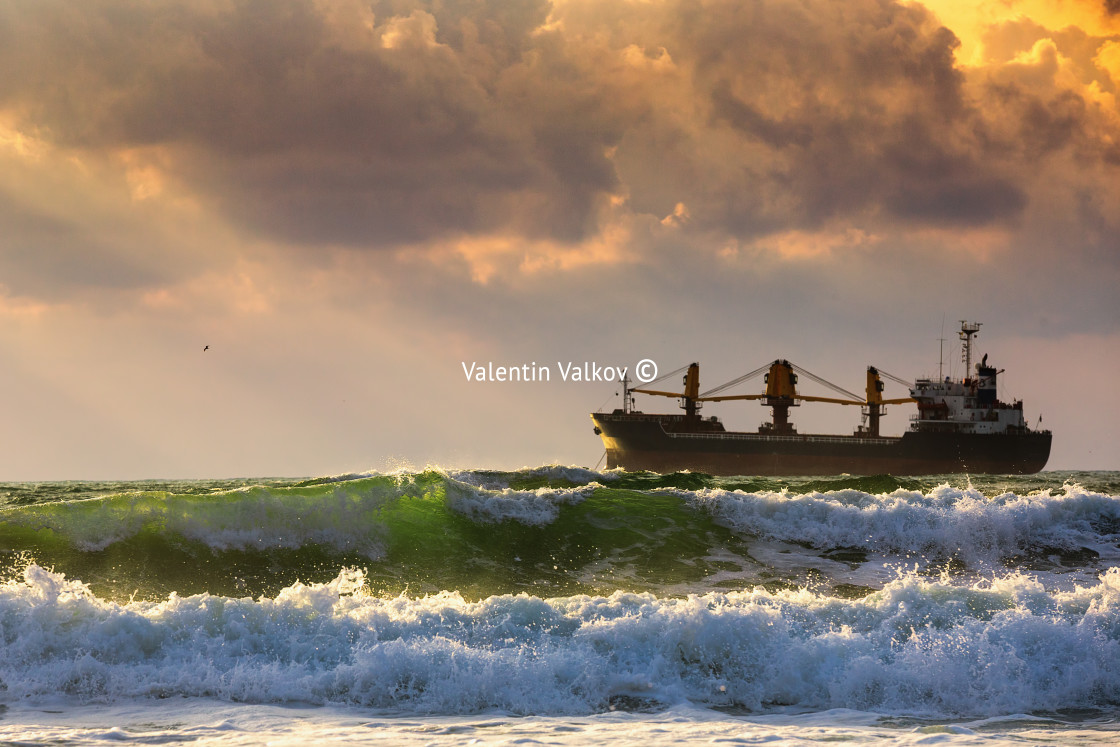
(641, 442)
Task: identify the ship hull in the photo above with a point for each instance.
(635, 441)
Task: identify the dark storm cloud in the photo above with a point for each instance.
(872, 114)
(299, 135)
(402, 121)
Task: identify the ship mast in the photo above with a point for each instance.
(968, 329)
(689, 398)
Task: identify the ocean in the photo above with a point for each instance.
(560, 605)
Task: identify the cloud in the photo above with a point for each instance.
(71, 224)
(572, 129)
(295, 127)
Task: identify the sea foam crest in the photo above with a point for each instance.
(551, 473)
(530, 507)
(917, 646)
(946, 521)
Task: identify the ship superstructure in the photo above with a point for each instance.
(968, 405)
(961, 426)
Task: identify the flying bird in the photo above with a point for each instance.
(206, 348)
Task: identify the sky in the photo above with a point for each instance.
(349, 202)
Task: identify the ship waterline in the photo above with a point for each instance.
(643, 443)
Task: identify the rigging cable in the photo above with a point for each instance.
(828, 384)
(895, 379)
(661, 378)
(734, 382)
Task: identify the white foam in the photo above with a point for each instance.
(234, 725)
(551, 473)
(531, 507)
(919, 646)
(946, 522)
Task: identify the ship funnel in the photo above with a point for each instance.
(986, 383)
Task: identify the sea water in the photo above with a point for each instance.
(562, 606)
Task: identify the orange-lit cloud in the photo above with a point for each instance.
(392, 124)
(973, 21)
(545, 138)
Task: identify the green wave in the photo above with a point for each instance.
(410, 533)
(548, 531)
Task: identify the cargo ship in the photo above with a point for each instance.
(960, 426)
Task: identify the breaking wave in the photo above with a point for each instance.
(917, 646)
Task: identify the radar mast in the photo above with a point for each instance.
(968, 329)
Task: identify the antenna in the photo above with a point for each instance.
(941, 352)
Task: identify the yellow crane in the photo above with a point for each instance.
(781, 394)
